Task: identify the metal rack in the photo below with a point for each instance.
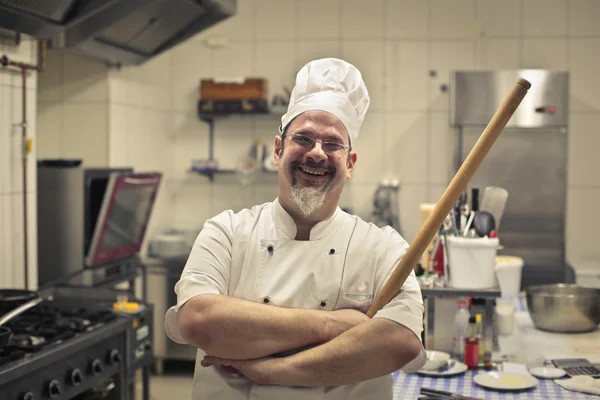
(430, 294)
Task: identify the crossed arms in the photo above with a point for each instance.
(345, 346)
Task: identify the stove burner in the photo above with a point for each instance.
(26, 341)
(45, 325)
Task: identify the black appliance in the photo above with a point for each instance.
(62, 349)
(90, 217)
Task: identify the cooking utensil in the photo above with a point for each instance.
(445, 395)
(12, 298)
(6, 333)
(457, 186)
(564, 308)
(494, 202)
(484, 223)
(20, 310)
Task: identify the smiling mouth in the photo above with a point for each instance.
(312, 171)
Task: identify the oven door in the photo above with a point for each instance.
(124, 216)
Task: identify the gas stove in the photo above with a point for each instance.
(62, 350)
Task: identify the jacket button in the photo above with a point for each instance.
(323, 303)
(266, 300)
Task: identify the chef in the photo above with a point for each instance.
(274, 297)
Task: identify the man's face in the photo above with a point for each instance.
(314, 173)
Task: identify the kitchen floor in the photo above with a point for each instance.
(174, 383)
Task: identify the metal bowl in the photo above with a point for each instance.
(564, 308)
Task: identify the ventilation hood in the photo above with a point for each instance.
(119, 32)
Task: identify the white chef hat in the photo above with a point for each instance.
(331, 85)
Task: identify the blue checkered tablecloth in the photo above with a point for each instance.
(408, 386)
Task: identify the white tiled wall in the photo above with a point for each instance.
(12, 236)
(404, 48)
(396, 44)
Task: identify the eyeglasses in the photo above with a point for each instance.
(307, 143)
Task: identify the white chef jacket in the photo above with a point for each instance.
(253, 255)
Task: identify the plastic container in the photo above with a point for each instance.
(461, 329)
(508, 272)
(472, 262)
(505, 316)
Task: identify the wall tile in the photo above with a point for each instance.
(15, 207)
(239, 27)
(86, 137)
(231, 145)
(584, 64)
(542, 20)
(406, 150)
(13, 183)
(190, 142)
(583, 18)
(277, 63)
(441, 142)
(308, 51)
(500, 17)
(444, 58)
(193, 203)
(359, 198)
(50, 79)
(370, 146)
(275, 20)
(83, 78)
(149, 142)
(411, 197)
(545, 54)
(191, 62)
(435, 192)
(233, 60)
(317, 19)
(5, 140)
(582, 223)
(361, 20)
(264, 193)
(498, 53)
(8, 270)
(32, 261)
(231, 197)
(407, 75)
(123, 120)
(584, 142)
(367, 56)
(451, 19)
(49, 120)
(407, 19)
(4, 269)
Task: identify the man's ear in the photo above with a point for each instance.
(277, 150)
(351, 162)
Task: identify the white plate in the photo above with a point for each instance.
(457, 368)
(505, 380)
(548, 372)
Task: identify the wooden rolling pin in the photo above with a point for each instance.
(457, 186)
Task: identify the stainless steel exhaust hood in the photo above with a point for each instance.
(119, 32)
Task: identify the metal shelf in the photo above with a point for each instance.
(210, 119)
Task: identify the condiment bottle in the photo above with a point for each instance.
(479, 327)
(472, 346)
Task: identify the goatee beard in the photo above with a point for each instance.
(308, 200)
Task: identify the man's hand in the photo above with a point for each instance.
(263, 371)
(342, 320)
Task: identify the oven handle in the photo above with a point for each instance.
(136, 181)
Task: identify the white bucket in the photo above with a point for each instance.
(508, 272)
(472, 262)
